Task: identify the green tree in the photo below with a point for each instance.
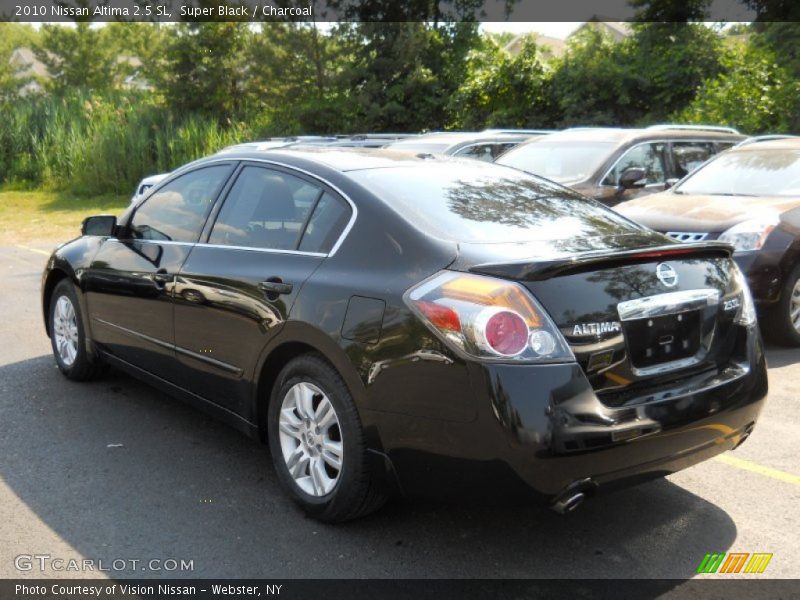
(400, 76)
(593, 83)
(204, 69)
(292, 84)
(12, 36)
(755, 93)
(501, 90)
(76, 58)
(668, 62)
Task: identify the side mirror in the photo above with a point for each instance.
(631, 177)
(101, 225)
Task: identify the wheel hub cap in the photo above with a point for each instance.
(794, 306)
(65, 331)
(311, 439)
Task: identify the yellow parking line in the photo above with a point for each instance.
(37, 250)
(757, 468)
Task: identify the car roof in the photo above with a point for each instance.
(337, 158)
(619, 135)
(789, 143)
(456, 137)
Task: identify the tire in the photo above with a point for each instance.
(777, 321)
(68, 335)
(303, 442)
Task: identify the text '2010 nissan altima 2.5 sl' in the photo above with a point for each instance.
(425, 326)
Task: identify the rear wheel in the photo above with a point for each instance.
(317, 443)
(781, 323)
(68, 336)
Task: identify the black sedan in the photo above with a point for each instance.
(417, 325)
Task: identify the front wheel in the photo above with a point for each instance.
(317, 443)
(68, 336)
(781, 323)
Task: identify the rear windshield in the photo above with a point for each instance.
(559, 161)
(486, 203)
(747, 173)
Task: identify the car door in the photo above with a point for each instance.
(130, 281)
(649, 156)
(234, 292)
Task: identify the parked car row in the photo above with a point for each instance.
(407, 322)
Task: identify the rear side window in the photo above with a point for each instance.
(687, 156)
(329, 219)
(265, 209)
(178, 211)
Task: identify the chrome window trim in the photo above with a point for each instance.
(335, 188)
(270, 250)
(658, 141)
(671, 303)
(229, 159)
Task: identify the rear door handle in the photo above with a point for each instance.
(271, 286)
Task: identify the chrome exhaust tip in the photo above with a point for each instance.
(568, 503)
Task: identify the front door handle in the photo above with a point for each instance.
(276, 286)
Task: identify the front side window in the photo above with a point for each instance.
(649, 157)
(178, 211)
(265, 209)
(484, 152)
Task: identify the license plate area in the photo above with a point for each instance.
(669, 331)
(665, 339)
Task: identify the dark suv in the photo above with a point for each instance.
(615, 165)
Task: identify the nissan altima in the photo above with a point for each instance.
(436, 327)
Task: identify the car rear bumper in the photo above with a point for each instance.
(540, 430)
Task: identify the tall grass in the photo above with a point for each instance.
(91, 145)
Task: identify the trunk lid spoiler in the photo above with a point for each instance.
(534, 269)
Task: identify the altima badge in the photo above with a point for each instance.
(666, 275)
(595, 329)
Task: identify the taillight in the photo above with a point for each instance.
(488, 318)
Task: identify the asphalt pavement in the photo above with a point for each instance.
(114, 470)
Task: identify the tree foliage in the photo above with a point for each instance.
(76, 58)
(754, 92)
(501, 90)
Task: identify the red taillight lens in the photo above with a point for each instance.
(505, 331)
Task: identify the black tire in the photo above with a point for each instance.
(356, 493)
(83, 367)
(776, 321)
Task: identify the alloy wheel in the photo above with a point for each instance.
(65, 330)
(794, 306)
(311, 439)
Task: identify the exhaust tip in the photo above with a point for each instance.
(568, 503)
